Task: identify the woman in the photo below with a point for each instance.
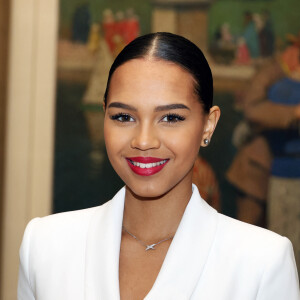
(157, 238)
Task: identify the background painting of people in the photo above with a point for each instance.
(120, 29)
(255, 41)
(238, 37)
(266, 169)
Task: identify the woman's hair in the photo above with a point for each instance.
(173, 48)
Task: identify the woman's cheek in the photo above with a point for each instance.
(111, 134)
(184, 141)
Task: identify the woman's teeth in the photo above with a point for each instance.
(147, 166)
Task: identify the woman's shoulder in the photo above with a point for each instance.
(55, 244)
(245, 239)
(259, 257)
(71, 225)
(68, 228)
(241, 230)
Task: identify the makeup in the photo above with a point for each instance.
(146, 166)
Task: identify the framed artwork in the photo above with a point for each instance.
(236, 35)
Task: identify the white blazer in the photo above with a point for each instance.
(75, 256)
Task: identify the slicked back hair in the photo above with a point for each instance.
(172, 48)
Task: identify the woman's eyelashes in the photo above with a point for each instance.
(122, 117)
(169, 118)
(172, 118)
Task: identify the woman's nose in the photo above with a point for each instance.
(145, 138)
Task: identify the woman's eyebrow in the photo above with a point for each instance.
(171, 106)
(122, 105)
(157, 109)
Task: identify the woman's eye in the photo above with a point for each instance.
(173, 118)
(122, 118)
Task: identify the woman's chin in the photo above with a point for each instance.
(147, 192)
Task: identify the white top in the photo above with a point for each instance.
(75, 256)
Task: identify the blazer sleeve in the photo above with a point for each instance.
(25, 287)
(280, 280)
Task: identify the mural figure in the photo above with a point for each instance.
(223, 47)
(94, 38)
(267, 167)
(109, 28)
(120, 29)
(132, 26)
(242, 53)
(81, 24)
(120, 33)
(226, 36)
(250, 34)
(266, 35)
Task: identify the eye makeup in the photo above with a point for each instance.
(173, 118)
(122, 117)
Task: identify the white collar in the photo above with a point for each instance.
(183, 264)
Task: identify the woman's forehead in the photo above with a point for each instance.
(152, 65)
(155, 76)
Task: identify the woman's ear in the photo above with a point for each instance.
(210, 125)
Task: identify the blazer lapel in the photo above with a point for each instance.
(188, 252)
(102, 250)
(183, 264)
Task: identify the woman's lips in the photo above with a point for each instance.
(146, 166)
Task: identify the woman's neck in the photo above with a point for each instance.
(156, 218)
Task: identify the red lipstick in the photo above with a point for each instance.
(146, 166)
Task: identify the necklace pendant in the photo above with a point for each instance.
(150, 247)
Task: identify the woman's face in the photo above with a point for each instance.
(153, 126)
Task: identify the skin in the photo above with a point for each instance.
(154, 204)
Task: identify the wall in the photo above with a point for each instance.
(29, 127)
(4, 21)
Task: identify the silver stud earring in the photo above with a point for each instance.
(206, 141)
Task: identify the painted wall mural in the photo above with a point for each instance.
(240, 37)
